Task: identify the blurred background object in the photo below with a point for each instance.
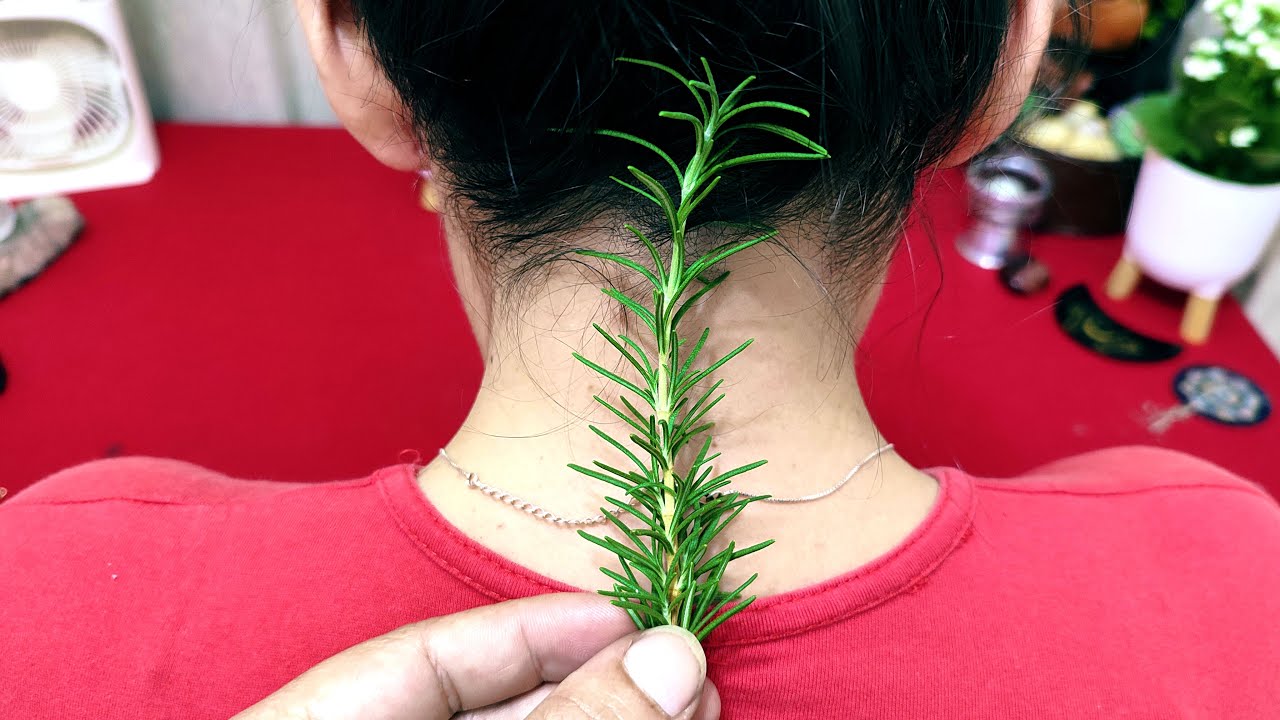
(1218, 61)
(1208, 196)
(231, 61)
(1006, 192)
(72, 118)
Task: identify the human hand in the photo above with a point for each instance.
(553, 656)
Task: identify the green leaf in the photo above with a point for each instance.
(643, 193)
(698, 126)
(711, 88)
(640, 352)
(693, 299)
(783, 132)
(709, 391)
(648, 520)
(621, 415)
(644, 369)
(693, 354)
(646, 565)
(660, 194)
(724, 252)
(624, 262)
(695, 417)
(653, 617)
(619, 446)
(635, 411)
(761, 157)
(722, 611)
(602, 477)
(653, 252)
(645, 143)
(732, 100)
(653, 450)
(739, 470)
(762, 104)
(640, 311)
(610, 375)
(706, 629)
(687, 207)
(697, 377)
(659, 66)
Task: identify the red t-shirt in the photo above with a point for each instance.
(1134, 583)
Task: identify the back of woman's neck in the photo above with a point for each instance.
(792, 399)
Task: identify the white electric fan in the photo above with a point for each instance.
(73, 116)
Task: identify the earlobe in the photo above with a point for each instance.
(355, 85)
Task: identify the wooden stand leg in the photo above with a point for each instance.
(1197, 318)
(1124, 278)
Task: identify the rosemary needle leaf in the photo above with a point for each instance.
(760, 104)
(621, 415)
(645, 143)
(633, 188)
(781, 131)
(625, 262)
(613, 376)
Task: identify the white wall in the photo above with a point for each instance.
(240, 61)
(1263, 302)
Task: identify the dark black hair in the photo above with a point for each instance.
(492, 85)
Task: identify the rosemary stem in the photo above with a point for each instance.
(680, 514)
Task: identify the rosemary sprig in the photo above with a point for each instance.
(666, 575)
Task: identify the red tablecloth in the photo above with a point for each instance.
(276, 305)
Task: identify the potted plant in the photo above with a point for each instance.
(1208, 195)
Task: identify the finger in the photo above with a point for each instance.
(657, 675)
(709, 705)
(443, 666)
(519, 708)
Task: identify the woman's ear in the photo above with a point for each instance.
(356, 86)
(1029, 32)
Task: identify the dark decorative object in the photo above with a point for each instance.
(1214, 393)
(1080, 317)
(1025, 275)
(1222, 395)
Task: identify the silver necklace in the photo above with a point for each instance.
(537, 511)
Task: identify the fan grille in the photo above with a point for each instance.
(62, 96)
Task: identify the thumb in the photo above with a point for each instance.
(656, 675)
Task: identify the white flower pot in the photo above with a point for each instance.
(1195, 233)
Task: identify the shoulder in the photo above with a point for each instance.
(156, 481)
(1128, 470)
(1140, 497)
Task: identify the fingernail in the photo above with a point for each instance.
(667, 664)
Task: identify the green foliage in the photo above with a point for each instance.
(1163, 13)
(1223, 119)
(673, 513)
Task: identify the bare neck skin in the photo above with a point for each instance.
(792, 398)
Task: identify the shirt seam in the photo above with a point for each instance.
(962, 535)
(1248, 490)
(17, 501)
(460, 541)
